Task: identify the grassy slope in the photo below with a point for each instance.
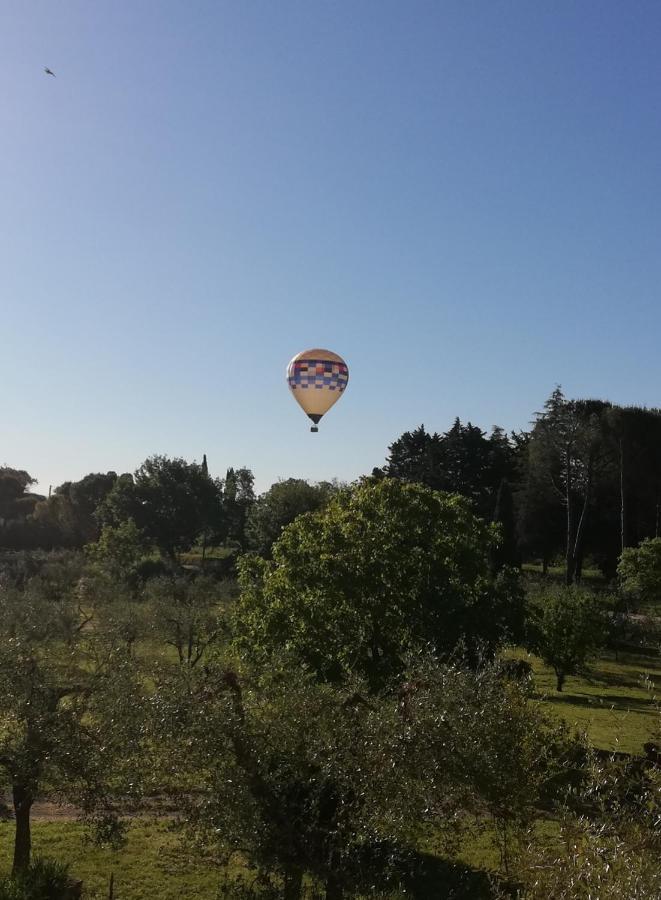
(150, 865)
(612, 702)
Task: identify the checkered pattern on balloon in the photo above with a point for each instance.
(319, 374)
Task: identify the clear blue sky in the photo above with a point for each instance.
(461, 198)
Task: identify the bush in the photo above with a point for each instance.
(639, 570)
(45, 879)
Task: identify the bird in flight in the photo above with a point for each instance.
(48, 71)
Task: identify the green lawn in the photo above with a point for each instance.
(151, 865)
(611, 703)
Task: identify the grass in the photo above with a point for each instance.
(593, 577)
(152, 864)
(616, 702)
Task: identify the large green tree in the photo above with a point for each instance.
(173, 502)
(280, 505)
(383, 569)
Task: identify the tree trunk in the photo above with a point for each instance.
(545, 565)
(569, 553)
(560, 680)
(623, 517)
(578, 571)
(293, 885)
(577, 554)
(23, 800)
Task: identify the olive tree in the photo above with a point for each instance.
(296, 778)
(68, 712)
(187, 615)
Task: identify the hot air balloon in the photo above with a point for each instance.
(317, 379)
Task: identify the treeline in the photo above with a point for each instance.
(583, 483)
(174, 504)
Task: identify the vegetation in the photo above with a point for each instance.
(383, 570)
(427, 683)
(567, 626)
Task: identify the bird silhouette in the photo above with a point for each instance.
(48, 71)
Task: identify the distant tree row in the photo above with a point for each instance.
(175, 505)
(585, 481)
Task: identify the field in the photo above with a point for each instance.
(616, 702)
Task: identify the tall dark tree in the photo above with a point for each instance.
(462, 461)
(568, 449)
(239, 496)
(506, 553)
(16, 501)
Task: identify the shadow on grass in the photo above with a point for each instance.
(445, 880)
(410, 873)
(622, 679)
(602, 701)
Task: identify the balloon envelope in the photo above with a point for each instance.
(317, 379)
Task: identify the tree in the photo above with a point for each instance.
(186, 615)
(171, 501)
(299, 777)
(15, 501)
(461, 461)
(639, 571)
(416, 457)
(118, 551)
(485, 746)
(567, 626)
(239, 497)
(280, 505)
(506, 553)
(567, 444)
(385, 568)
(64, 701)
(312, 783)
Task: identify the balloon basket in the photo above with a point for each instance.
(314, 429)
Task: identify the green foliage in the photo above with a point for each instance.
(567, 626)
(44, 879)
(337, 786)
(382, 570)
(69, 715)
(290, 772)
(280, 505)
(609, 841)
(238, 500)
(462, 461)
(171, 501)
(186, 615)
(14, 484)
(485, 747)
(118, 551)
(639, 570)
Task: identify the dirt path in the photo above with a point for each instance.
(49, 811)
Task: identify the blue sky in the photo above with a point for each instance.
(463, 199)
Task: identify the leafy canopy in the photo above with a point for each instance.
(383, 569)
